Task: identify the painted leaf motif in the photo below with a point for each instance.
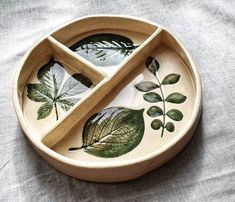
(176, 98)
(171, 79)
(156, 124)
(56, 88)
(104, 49)
(45, 110)
(51, 76)
(170, 127)
(175, 114)
(152, 97)
(146, 86)
(154, 111)
(113, 132)
(38, 93)
(152, 65)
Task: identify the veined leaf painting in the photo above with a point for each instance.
(104, 49)
(112, 132)
(56, 88)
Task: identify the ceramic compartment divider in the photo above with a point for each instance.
(79, 110)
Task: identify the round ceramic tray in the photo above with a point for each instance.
(108, 98)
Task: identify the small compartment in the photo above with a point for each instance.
(105, 42)
(153, 104)
(55, 81)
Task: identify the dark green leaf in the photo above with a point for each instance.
(146, 86)
(152, 97)
(175, 114)
(155, 111)
(112, 132)
(171, 79)
(152, 65)
(38, 93)
(44, 110)
(170, 126)
(176, 98)
(156, 124)
(104, 49)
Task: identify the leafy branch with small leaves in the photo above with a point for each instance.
(153, 97)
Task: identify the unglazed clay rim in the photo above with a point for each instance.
(99, 165)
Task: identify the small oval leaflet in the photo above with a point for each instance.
(112, 132)
(154, 111)
(171, 79)
(175, 114)
(156, 124)
(152, 97)
(170, 126)
(176, 98)
(146, 86)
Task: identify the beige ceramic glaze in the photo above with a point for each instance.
(113, 86)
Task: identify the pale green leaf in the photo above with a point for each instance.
(146, 86)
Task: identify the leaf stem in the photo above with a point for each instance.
(56, 111)
(75, 148)
(163, 103)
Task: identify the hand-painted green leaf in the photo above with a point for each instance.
(152, 97)
(156, 124)
(104, 49)
(51, 75)
(112, 132)
(175, 114)
(67, 103)
(57, 88)
(146, 86)
(176, 98)
(152, 65)
(45, 110)
(155, 111)
(74, 85)
(38, 93)
(170, 126)
(171, 79)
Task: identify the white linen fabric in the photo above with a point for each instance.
(203, 171)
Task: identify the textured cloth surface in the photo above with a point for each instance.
(203, 171)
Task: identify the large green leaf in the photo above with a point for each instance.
(56, 88)
(112, 132)
(175, 114)
(104, 49)
(176, 98)
(152, 65)
(152, 97)
(146, 86)
(171, 79)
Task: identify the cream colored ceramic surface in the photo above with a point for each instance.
(112, 87)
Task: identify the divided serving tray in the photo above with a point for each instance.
(108, 98)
